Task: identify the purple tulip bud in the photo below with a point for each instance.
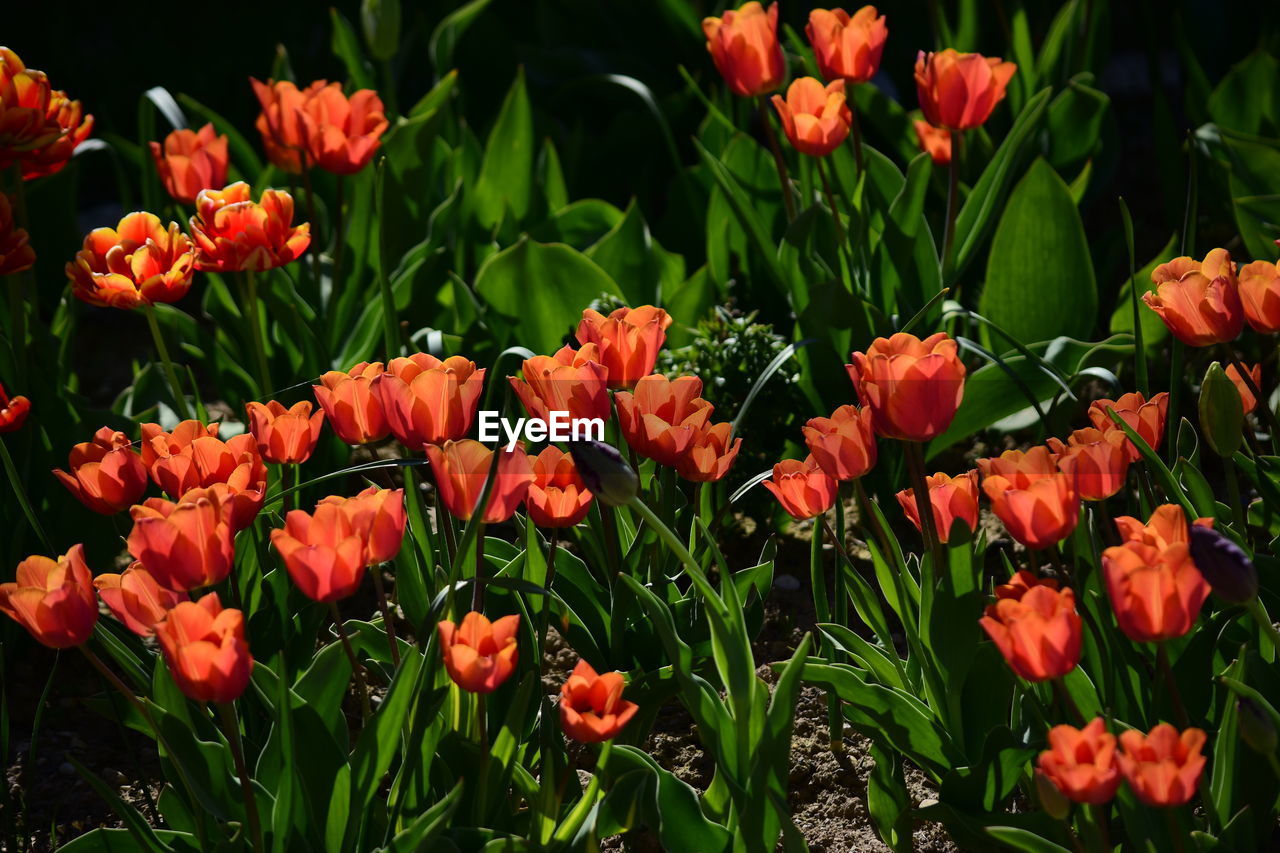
(605, 472)
(1256, 727)
(1224, 565)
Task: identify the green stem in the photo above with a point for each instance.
(1177, 354)
(1140, 353)
(477, 588)
(844, 244)
(340, 236)
(1166, 670)
(1268, 628)
(778, 162)
(545, 619)
(357, 671)
(953, 208)
(569, 828)
(231, 728)
(855, 133)
(19, 491)
(924, 508)
(822, 611)
(256, 339)
(175, 387)
(840, 599)
(1068, 704)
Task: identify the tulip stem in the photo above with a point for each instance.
(175, 388)
(924, 509)
(870, 519)
(778, 162)
(315, 223)
(1268, 628)
(477, 588)
(569, 828)
(839, 598)
(19, 491)
(256, 340)
(844, 248)
(357, 671)
(231, 727)
(953, 208)
(1273, 426)
(1179, 710)
(1233, 496)
(822, 611)
(378, 587)
(545, 619)
(1177, 352)
(340, 238)
(855, 133)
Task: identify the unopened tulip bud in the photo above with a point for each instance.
(1257, 729)
(605, 472)
(1224, 564)
(1221, 411)
(381, 22)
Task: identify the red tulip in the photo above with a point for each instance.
(136, 599)
(710, 455)
(572, 381)
(1036, 627)
(139, 262)
(662, 417)
(843, 444)
(352, 404)
(233, 233)
(557, 497)
(1199, 302)
(958, 91)
(847, 47)
(193, 456)
(323, 552)
(479, 655)
(912, 387)
(1156, 593)
(1260, 295)
(68, 115)
(16, 253)
(803, 489)
(340, 134)
(188, 544)
(191, 161)
(1099, 461)
(744, 46)
(1081, 763)
(53, 599)
(206, 650)
(106, 474)
(13, 411)
(429, 401)
(26, 99)
(814, 117)
(934, 141)
(1163, 767)
(1037, 502)
(285, 436)
(951, 497)
(627, 340)
(592, 709)
(461, 468)
(377, 516)
(1145, 417)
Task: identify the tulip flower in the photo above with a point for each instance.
(663, 416)
(592, 709)
(187, 544)
(193, 456)
(627, 340)
(190, 161)
(323, 552)
(605, 472)
(1081, 763)
(1143, 416)
(1099, 461)
(1199, 302)
(478, 654)
(429, 401)
(461, 468)
(26, 99)
(106, 474)
(16, 253)
(951, 498)
(1166, 526)
(339, 134)
(1260, 295)
(572, 381)
(136, 599)
(285, 436)
(557, 497)
(912, 387)
(206, 650)
(847, 47)
(1156, 593)
(710, 455)
(1247, 399)
(744, 47)
(233, 233)
(139, 262)
(1224, 565)
(843, 444)
(53, 599)
(1037, 502)
(815, 118)
(352, 404)
(803, 488)
(958, 91)
(1036, 627)
(934, 141)
(68, 115)
(1162, 767)
(13, 411)
(377, 516)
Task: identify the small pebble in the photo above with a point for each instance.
(787, 583)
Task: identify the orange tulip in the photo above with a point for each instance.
(429, 401)
(323, 552)
(1156, 593)
(377, 516)
(25, 101)
(1037, 502)
(710, 455)
(592, 709)
(1145, 417)
(136, 599)
(16, 253)
(1247, 398)
(744, 46)
(461, 468)
(339, 134)
(187, 544)
(1166, 526)
(352, 405)
(557, 496)
(13, 411)
(843, 444)
(190, 161)
(1081, 763)
(1099, 461)
(934, 141)
(572, 381)
(233, 233)
(1036, 627)
(206, 649)
(136, 263)
(53, 599)
(958, 91)
(951, 498)
(661, 419)
(815, 118)
(285, 436)
(803, 488)
(478, 654)
(106, 474)
(68, 115)
(1162, 767)
(912, 387)
(1260, 295)
(1199, 302)
(847, 48)
(193, 456)
(628, 341)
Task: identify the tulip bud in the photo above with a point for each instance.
(1221, 412)
(1224, 565)
(1054, 803)
(1257, 729)
(605, 472)
(381, 22)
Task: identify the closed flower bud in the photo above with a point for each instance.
(1223, 564)
(743, 43)
(1256, 727)
(205, 647)
(605, 472)
(1221, 412)
(380, 20)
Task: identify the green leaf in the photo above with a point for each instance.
(665, 802)
(105, 840)
(345, 45)
(506, 173)
(425, 826)
(633, 259)
(1040, 281)
(887, 799)
(1246, 100)
(1024, 839)
(444, 39)
(541, 290)
(1074, 123)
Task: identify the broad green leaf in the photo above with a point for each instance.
(633, 259)
(506, 173)
(346, 46)
(1074, 123)
(1246, 100)
(444, 39)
